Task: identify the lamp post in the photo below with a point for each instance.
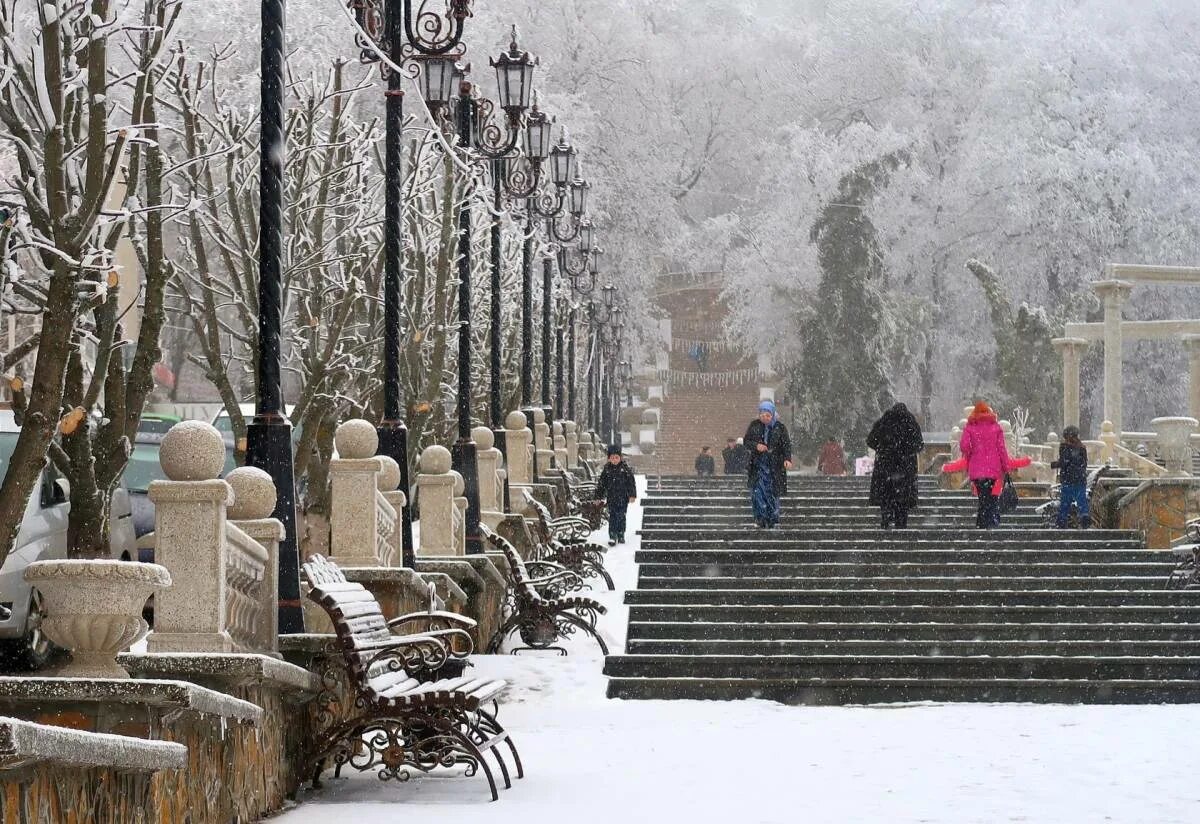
(269, 435)
(480, 138)
(391, 31)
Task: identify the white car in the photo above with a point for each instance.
(42, 537)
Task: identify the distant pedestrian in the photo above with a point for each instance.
(741, 458)
(896, 439)
(770, 459)
(727, 457)
(706, 467)
(987, 460)
(832, 460)
(1072, 467)
(618, 487)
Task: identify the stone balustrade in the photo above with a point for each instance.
(389, 487)
(362, 522)
(440, 513)
(519, 440)
(571, 434)
(223, 598)
(543, 452)
(560, 445)
(489, 463)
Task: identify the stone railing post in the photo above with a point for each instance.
(519, 440)
(560, 445)
(435, 497)
(253, 503)
(459, 519)
(1110, 438)
(389, 486)
(354, 497)
(956, 443)
(571, 433)
(489, 461)
(189, 540)
(541, 440)
(1048, 474)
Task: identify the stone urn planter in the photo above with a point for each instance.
(1175, 445)
(94, 609)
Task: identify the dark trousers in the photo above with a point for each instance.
(616, 519)
(1073, 494)
(896, 514)
(988, 514)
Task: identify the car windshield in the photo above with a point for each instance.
(223, 423)
(8, 442)
(158, 426)
(143, 467)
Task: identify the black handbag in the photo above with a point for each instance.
(1008, 497)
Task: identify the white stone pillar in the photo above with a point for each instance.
(354, 483)
(571, 432)
(435, 496)
(189, 540)
(519, 440)
(488, 461)
(1113, 293)
(1071, 350)
(541, 440)
(1192, 344)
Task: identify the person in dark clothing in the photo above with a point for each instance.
(896, 439)
(770, 450)
(727, 455)
(1072, 467)
(740, 458)
(616, 484)
(706, 467)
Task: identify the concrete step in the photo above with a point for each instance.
(1151, 569)
(922, 597)
(649, 583)
(968, 628)
(878, 555)
(902, 666)
(966, 647)
(1164, 612)
(843, 691)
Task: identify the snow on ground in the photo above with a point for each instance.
(590, 760)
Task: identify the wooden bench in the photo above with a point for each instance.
(564, 542)
(538, 608)
(397, 714)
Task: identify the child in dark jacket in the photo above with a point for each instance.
(617, 485)
(1072, 467)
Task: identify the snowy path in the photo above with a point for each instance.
(594, 761)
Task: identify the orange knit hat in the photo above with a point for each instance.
(981, 408)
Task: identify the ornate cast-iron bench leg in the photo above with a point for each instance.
(492, 726)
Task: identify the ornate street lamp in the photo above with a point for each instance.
(426, 44)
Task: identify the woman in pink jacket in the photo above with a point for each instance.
(987, 460)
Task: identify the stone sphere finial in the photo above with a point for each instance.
(539, 415)
(356, 439)
(484, 438)
(253, 494)
(1006, 426)
(516, 420)
(556, 428)
(460, 486)
(570, 426)
(1107, 427)
(435, 460)
(388, 479)
(192, 451)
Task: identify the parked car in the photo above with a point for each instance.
(153, 426)
(43, 537)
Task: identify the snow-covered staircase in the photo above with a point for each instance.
(829, 609)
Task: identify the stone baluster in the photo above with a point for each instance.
(435, 497)
(519, 440)
(956, 443)
(389, 486)
(489, 462)
(571, 433)
(1048, 474)
(253, 502)
(459, 521)
(354, 537)
(560, 445)
(189, 540)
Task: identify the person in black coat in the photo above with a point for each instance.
(706, 467)
(770, 450)
(616, 484)
(740, 459)
(1072, 466)
(727, 455)
(896, 439)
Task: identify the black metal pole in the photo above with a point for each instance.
(547, 320)
(393, 434)
(269, 436)
(571, 367)
(527, 313)
(495, 405)
(463, 452)
(558, 365)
